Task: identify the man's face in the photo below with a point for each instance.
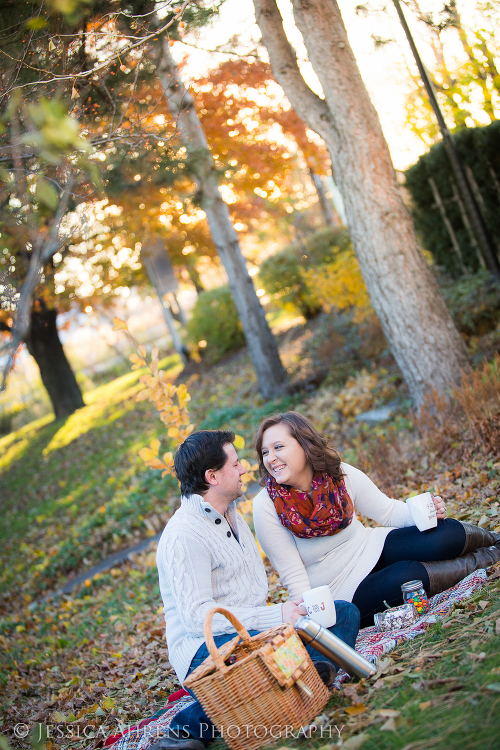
(229, 477)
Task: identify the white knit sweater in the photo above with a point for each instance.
(340, 561)
(202, 564)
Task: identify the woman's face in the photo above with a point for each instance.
(284, 458)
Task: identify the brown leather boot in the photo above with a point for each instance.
(446, 573)
(476, 537)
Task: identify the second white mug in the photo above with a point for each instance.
(422, 511)
(320, 606)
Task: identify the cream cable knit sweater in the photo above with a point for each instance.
(202, 564)
(341, 561)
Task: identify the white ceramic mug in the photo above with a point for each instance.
(320, 606)
(422, 511)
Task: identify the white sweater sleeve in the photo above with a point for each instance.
(187, 566)
(279, 545)
(372, 502)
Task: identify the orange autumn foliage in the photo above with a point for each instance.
(254, 137)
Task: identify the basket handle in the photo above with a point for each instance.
(209, 639)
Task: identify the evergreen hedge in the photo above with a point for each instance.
(480, 151)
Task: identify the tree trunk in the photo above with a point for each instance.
(45, 347)
(261, 343)
(325, 204)
(403, 291)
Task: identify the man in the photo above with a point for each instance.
(207, 556)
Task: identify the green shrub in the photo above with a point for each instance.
(215, 320)
(282, 275)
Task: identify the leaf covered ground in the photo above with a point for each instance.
(73, 492)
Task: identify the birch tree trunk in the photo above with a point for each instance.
(403, 291)
(262, 346)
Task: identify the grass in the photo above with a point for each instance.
(75, 491)
(440, 691)
(87, 492)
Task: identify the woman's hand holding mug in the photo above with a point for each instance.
(439, 505)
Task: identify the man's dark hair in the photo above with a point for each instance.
(201, 451)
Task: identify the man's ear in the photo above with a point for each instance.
(210, 477)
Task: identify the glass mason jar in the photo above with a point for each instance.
(396, 618)
(414, 593)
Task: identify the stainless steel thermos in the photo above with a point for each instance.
(332, 647)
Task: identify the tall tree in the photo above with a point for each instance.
(414, 317)
(262, 346)
(44, 155)
(56, 53)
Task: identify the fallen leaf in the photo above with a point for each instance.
(424, 705)
(394, 679)
(388, 713)
(483, 604)
(389, 725)
(350, 691)
(358, 708)
(495, 686)
(497, 626)
(385, 665)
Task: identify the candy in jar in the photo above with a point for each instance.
(414, 593)
(396, 618)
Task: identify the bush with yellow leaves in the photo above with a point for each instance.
(340, 286)
(171, 402)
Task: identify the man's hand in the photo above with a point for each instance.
(439, 505)
(291, 611)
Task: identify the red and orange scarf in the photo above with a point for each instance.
(329, 511)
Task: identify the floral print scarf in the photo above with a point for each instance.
(325, 511)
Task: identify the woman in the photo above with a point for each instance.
(305, 520)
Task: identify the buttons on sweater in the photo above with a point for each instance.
(229, 533)
(218, 520)
(207, 510)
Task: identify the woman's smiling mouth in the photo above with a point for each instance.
(278, 469)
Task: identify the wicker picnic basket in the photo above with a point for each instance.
(248, 697)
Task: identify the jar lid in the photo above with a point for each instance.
(411, 586)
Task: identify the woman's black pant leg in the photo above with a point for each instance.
(385, 586)
(444, 542)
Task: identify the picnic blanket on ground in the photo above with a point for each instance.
(370, 644)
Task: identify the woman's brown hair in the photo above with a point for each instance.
(319, 454)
